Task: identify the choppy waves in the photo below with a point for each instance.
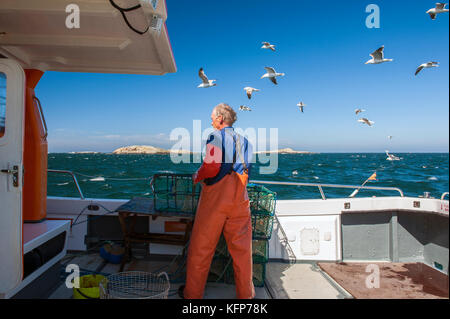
(111, 174)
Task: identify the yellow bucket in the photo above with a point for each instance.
(89, 287)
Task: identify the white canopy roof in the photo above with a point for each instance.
(34, 32)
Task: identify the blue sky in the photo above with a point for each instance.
(321, 48)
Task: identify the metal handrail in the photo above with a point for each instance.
(73, 177)
(320, 186)
(443, 195)
(41, 113)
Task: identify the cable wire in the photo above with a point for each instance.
(123, 10)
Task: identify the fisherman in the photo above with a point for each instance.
(223, 206)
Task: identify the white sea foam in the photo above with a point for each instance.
(62, 184)
(432, 178)
(97, 179)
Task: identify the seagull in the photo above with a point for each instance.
(301, 105)
(249, 91)
(378, 57)
(205, 82)
(390, 137)
(426, 66)
(359, 111)
(267, 45)
(244, 108)
(440, 8)
(366, 121)
(271, 74)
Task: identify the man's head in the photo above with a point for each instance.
(222, 116)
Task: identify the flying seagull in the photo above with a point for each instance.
(359, 111)
(390, 137)
(366, 121)
(301, 105)
(244, 108)
(378, 57)
(249, 91)
(440, 8)
(426, 66)
(271, 74)
(205, 82)
(267, 45)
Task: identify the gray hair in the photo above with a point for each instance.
(227, 112)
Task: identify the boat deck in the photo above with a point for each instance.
(388, 280)
(307, 280)
(152, 263)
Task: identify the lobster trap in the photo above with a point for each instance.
(262, 225)
(175, 193)
(262, 200)
(260, 250)
(221, 271)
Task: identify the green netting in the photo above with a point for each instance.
(262, 200)
(262, 226)
(221, 248)
(221, 271)
(259, 274)
(260, 250)
(175, 193)
(218, 269)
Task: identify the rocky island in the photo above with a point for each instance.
(146, 149)
(284, 151)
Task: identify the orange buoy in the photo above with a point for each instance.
(34, 197)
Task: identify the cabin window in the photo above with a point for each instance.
(2, 103)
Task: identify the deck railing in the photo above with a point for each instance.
(73, 177)
(321, 186)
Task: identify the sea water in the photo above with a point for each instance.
(102, 175)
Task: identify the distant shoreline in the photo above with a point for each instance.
(147, 149)
(256, 153)
(152, 150)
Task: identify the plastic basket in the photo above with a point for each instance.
(262, 200)
(135, 285)
(112, 253)
(89, 287)
(175, 193)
